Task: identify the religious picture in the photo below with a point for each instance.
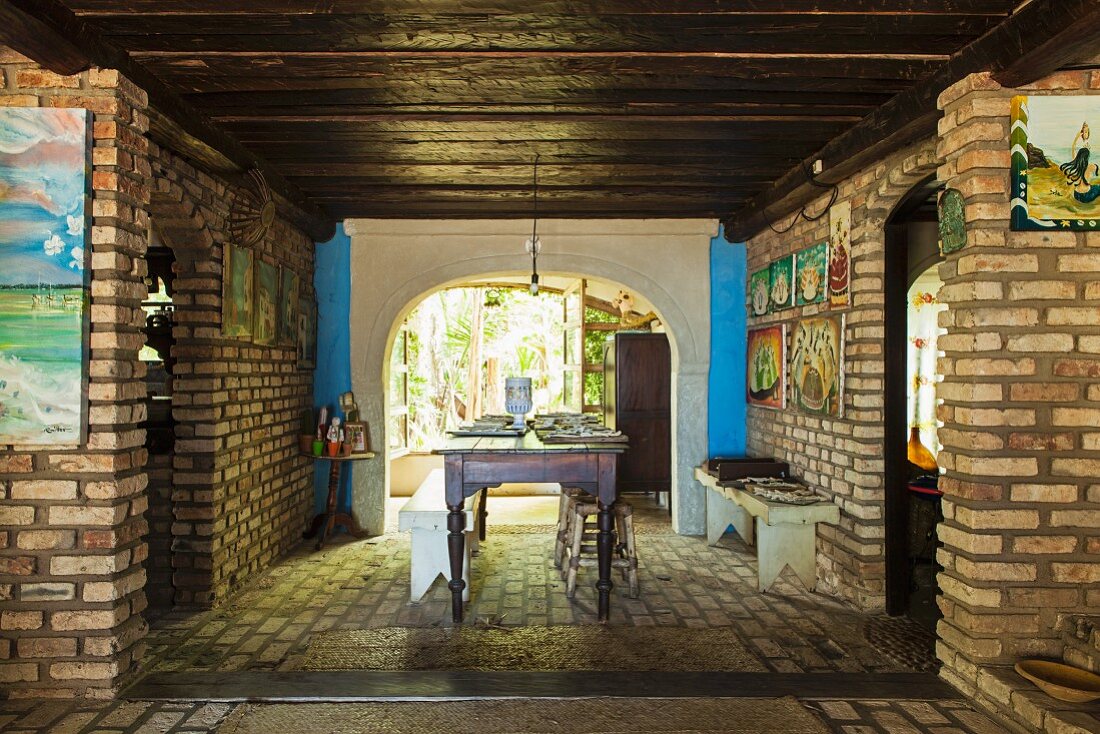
(1055, 174)
(782, 283)
(840, 254)
(288, 305)
(767, 360)
(237, 291)
(44, 161)
(817, 359)
(266, 304)
(809, 281)
(307, 333)
(760, 291)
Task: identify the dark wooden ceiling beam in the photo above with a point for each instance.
(187, 131)
(1063, 43)
(909, 116)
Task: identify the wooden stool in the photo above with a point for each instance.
(582, 545)
(569, 498)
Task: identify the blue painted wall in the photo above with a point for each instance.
(332, 279)
(727, 408)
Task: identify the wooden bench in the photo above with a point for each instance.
(425, 514)
(784, 534)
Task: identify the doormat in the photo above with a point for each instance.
(572, 648)
(539, 716)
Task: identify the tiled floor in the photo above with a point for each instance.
(357, 584)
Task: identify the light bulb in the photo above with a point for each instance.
(534, 284)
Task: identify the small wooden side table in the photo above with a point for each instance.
(325, 522)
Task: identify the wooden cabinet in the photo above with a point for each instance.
(637, 401)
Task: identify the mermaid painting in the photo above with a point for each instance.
(1079, 172)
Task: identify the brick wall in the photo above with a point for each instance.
(1021, 410)
(843, 458)
(72, 523)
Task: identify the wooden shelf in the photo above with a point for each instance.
(353, 457)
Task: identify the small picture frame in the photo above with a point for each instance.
(357, 437)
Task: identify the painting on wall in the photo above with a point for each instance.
(265, 304)
(237, 291)
(840, 254)
(817, 364)
(1055, 176)
(44, 163)
(810, 274)
(767, 360)
(307, 333)
(760, 291)
(782, 283)
(288, 316)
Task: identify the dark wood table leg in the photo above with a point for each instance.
(604, 543)
(330, 504)
(456, 547)
(483, 515)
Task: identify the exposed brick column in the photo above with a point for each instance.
(1022, 503)
(71, 573)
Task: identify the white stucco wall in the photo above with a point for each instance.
(396, 263)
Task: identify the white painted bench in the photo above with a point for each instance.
(785, 535)
(425, 514)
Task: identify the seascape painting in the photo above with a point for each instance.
(767, 360)
(840, 254)
(288, 317)
(782, 283)
(265, 304)
(237, 290)
(817, 361)
(809, 281)
(44, 179)
(1055, 174)
(307, 333)
(760, 291)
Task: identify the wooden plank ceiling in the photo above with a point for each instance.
(436, 108)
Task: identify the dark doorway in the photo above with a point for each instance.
(912, 500)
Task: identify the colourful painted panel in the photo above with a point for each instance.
(288, 316)
(782, 283)
(307, 334)
(767, 360)
(817, 363)
(810, 279)
(1055, 176)
(44, 164)
(237, 291)
(840, 254)
(760, 291)
(265, 329)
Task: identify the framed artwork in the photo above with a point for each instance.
(810, 274)
(1055, 176)
(767, 367)
(782, 283)
(840, 255)
(237, 291)
(265, 304)
(760, 291)
(356, 436)
(952, 221)
(44, 332)
(307, 333)
(288, 305)
(817, 365)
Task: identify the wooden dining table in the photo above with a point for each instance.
(472, 464)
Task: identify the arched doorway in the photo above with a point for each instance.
(395, 263)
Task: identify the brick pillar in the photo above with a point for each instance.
(1022, 503)
(71, 573)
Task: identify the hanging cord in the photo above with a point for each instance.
(801, 213)
(534, 229)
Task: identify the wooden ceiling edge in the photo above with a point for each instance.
(1038, 39)
(53, 36)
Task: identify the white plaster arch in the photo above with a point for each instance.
(397, 263)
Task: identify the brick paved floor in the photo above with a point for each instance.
(357, 584)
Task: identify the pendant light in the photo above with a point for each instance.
(533, 245)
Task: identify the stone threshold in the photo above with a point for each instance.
(341, 686)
